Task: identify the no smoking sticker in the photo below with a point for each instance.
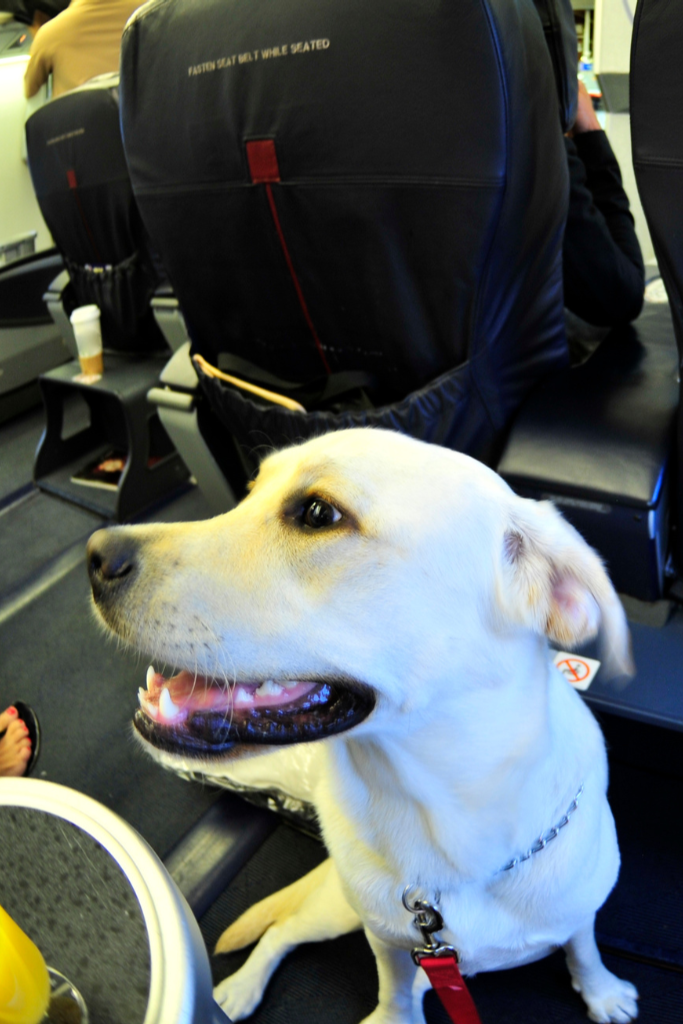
(578, 671)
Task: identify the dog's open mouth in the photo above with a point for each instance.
(196, 715)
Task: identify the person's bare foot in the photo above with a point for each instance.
(15, 745)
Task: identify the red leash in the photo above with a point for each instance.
(440, 963)
(446, 980)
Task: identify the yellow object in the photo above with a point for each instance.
(24, 981)
(270, 396)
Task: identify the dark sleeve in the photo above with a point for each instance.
(604, 277)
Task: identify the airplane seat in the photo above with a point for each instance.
(336, 190)
(657, 140)
(598, 439)
(81, 181)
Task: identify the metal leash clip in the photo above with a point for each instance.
(427, 920)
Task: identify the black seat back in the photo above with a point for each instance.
(557, 18)
(657, 137)
(350, 186)
(83, 188)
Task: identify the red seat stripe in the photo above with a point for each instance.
(264, 169)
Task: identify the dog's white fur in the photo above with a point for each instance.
(438, 588)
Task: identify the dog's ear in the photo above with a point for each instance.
(556, 584)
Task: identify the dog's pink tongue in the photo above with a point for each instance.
(170, 701)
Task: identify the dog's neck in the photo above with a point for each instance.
(470, 778)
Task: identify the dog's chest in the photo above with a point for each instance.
(483, 925)
(494, 920)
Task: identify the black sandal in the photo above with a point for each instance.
(30, 720)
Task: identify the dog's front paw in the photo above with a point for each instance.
(611, 1001)
(239, 994)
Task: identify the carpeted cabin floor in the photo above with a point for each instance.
(56, 657)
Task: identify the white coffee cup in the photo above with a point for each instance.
(86, 324)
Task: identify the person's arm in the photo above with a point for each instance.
(604, 277)
(39, 66)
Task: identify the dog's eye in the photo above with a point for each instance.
(317, 513)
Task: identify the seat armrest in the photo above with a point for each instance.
(179, 371)
(164, 291)
(175, 401)
(169, 317)
(22, 284)
(53, 299)
(56, 288)
(167, 398)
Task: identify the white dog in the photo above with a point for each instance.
(393, 600)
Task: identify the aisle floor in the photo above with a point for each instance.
(55, 656)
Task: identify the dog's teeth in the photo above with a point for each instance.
(166, 705)
(150, 675)
(141, 696)
(269, 689)
(243, 696)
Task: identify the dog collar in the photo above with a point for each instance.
(547, 837)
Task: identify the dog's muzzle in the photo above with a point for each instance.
(196, 715)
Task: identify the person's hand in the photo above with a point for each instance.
(586, 119)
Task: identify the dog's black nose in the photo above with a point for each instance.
(111, 556)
